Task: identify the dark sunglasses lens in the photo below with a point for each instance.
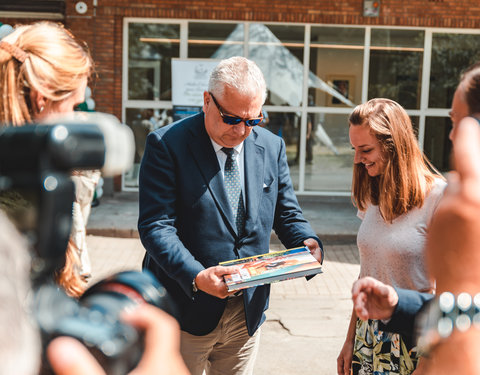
(231, 120)
(253, 122)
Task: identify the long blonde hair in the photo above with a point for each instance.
(54, 64)
(47, 58)
(408, 175)
(69, 276)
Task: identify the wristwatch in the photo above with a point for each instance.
(444, 314)
(194, 286)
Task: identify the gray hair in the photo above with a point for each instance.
(20, 349)
(238, 73)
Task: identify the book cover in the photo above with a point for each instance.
(271, 267)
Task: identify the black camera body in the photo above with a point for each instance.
(36, 162)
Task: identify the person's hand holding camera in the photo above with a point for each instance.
(68, 356)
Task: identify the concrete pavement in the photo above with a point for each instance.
(306, 322)
(332, 218)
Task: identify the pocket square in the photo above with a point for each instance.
(265, 185)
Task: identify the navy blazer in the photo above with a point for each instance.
(186, 223)
(410, 304)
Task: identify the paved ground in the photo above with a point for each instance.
(306, 322)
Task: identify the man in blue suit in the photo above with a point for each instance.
(188, 223)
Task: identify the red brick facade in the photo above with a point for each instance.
(101, 27)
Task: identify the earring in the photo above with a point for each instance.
(42, 108)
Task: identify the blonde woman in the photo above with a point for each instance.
(396, 191)
(44, 72)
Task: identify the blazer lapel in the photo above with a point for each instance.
(206, 160)
(254, 169)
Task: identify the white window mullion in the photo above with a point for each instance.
(366, 64)
(424, 96)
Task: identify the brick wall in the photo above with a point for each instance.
(102, 26)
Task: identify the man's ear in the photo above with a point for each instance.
(206, 100)
(38, 102)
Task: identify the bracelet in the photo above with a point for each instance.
(445, 314)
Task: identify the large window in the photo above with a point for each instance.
(315, 76)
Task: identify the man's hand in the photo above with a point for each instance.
(314, 248)
(210, 280)
(373, 299)
(68, 356)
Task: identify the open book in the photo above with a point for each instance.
(271, 267)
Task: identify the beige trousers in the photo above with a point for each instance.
(228, 349)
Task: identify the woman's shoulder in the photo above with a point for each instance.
(438, 186)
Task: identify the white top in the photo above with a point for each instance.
(394, 252)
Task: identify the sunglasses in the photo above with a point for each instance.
(235, 120)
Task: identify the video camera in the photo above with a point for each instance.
(35, 166)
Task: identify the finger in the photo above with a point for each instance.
(68, 356)
(359, 305)
(363, 284)
(223, 270)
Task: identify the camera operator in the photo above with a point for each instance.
(44, 72)
(20, 344)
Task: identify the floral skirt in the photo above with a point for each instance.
(381, 353)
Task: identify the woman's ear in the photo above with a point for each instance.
(38, 103)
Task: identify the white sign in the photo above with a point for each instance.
(189, 80)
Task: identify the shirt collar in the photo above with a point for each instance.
(238, 148)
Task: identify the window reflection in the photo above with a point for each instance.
(285, 125)
(150, 50)
(278, 51)
(396, 66)
(332, 157)
(207, 40)
(142, 122)
(336, 60)
(451, 53)
(437, 146)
